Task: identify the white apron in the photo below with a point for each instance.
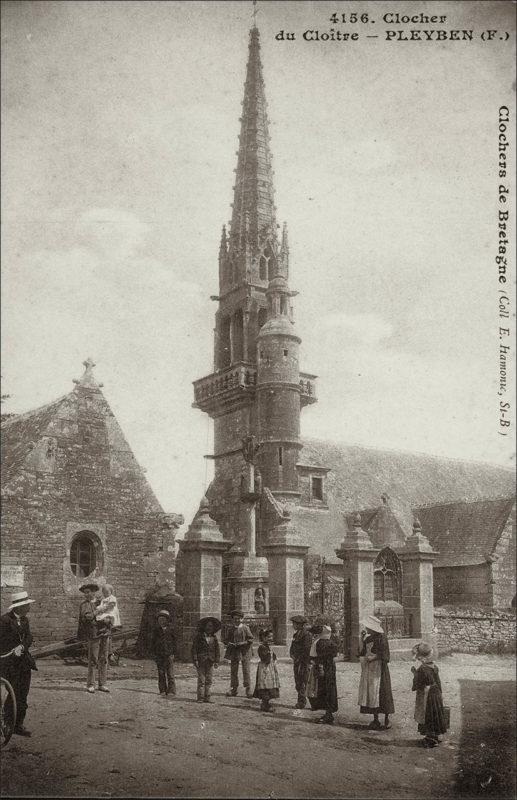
(370, 681)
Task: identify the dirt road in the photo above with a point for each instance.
(133, 742)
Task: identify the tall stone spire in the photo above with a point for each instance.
(253, 218)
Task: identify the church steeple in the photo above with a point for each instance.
(253, 191)
(252, 254)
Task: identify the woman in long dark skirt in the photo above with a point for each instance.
(321, 684)
(429, 711)
(375, 695)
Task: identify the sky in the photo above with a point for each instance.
(119, 132)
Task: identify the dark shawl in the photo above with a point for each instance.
(326, 651)
(435, 723)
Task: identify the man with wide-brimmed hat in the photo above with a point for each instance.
(16, 661)
(238, 641)
(98, 641)
(206, 655)
(300, 653)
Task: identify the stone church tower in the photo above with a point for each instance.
(256, 391)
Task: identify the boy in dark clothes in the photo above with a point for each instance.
(205, 656)
(163, 648)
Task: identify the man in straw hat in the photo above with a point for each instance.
(98, 642)
(238, 641)
(16, 660)
(205, 656)
(300, 653)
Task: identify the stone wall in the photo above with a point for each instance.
(503, 567)
(470, 585)
(474, 630)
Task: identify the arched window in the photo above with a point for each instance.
(225, 343)
(261, 318)
(85, 554)
(270, 262)
(237, 337)
(387, 577)
(267, 264)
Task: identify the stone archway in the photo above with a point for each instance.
(387, 581)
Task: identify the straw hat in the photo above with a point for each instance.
(423, 650)
(19, 599)
(162, 613)
(373, 624)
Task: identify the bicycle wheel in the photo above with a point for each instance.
(7, 711)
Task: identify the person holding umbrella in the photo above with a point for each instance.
(206, 656)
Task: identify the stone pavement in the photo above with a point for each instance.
(133, 742)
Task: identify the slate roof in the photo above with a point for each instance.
(359, 477)
(20, 433)
(465, 533)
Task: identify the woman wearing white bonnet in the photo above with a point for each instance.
(375, 695)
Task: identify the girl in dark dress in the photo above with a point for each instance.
(321, 683)
(429, 711)
(375, 695)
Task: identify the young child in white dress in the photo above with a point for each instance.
(107, 612)
(267, 684)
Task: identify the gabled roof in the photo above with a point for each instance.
(464, 533)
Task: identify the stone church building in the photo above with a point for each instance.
(76, 505)
(290, 524)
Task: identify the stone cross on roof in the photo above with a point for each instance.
(87, 379)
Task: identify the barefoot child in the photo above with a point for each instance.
(429, 711)
(267, 685)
